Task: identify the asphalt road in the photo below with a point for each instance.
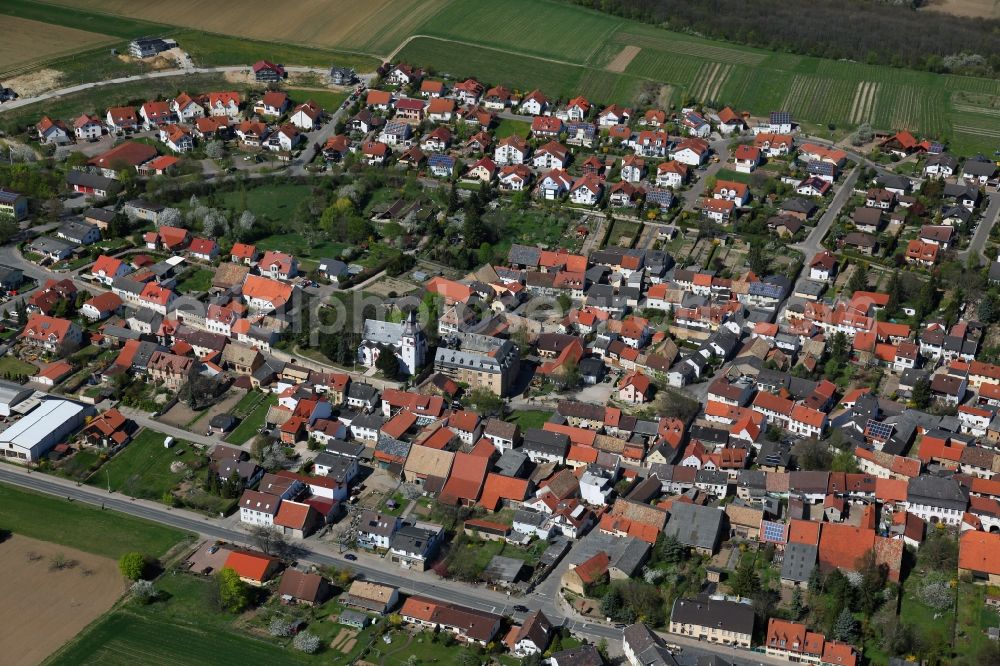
(990, 216)
(813, 242)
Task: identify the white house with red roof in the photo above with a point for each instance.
(264, 294)
(586, 191)
(746, 158)
(52, 334)
(718, 210)
(88, 127)
(614, 115)
(546, 127)
(156, 298)
(633, 168)
(306, 116)
(576, 109)
(511, 150)
(273, 104)
(554, 184)
(730, 190)
(122, 119)
(155, 114)
(205, 249)
(106, 269)
(552, 155)
(285, 138)
(223, 104)
(244, 253)
(635, 388)
(187, 108)
(515, 178)
(823, 266)
(671, 174)
(278, 265)
(534, 103)
(692, 151)
(177, 138)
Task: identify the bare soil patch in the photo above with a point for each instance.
(35, 83)
(622, 60)
(989, 9)
(388, 285)
(43, 605)
(180, 415)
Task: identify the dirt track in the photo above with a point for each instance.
(623, 58)
(44, 607)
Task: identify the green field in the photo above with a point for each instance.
(142, 469)
(82, 526)
(528, 26)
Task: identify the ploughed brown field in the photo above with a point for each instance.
(375, 26)
(25, 41)
(50, 593)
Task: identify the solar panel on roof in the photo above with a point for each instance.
(773, 532)
(781, 117)
(878, 429)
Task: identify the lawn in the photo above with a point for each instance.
(926, 621)
(508, 127)
(200, 279)
(273, 201)
(623, 233)
(729, 174)
(422, 646)
(142, 469)
(249, 426)
(11, 365)
(301, 246)
(530, 418)
(330, 100)
(82, 526)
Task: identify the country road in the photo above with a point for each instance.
(161, 74)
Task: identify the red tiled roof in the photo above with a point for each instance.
(979, 551)
(499, 487)
(249, 565)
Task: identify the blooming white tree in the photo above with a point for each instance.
(215, 150)
(306, 642)
(169, 217)
(247, 220)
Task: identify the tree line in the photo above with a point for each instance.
(863, 30)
